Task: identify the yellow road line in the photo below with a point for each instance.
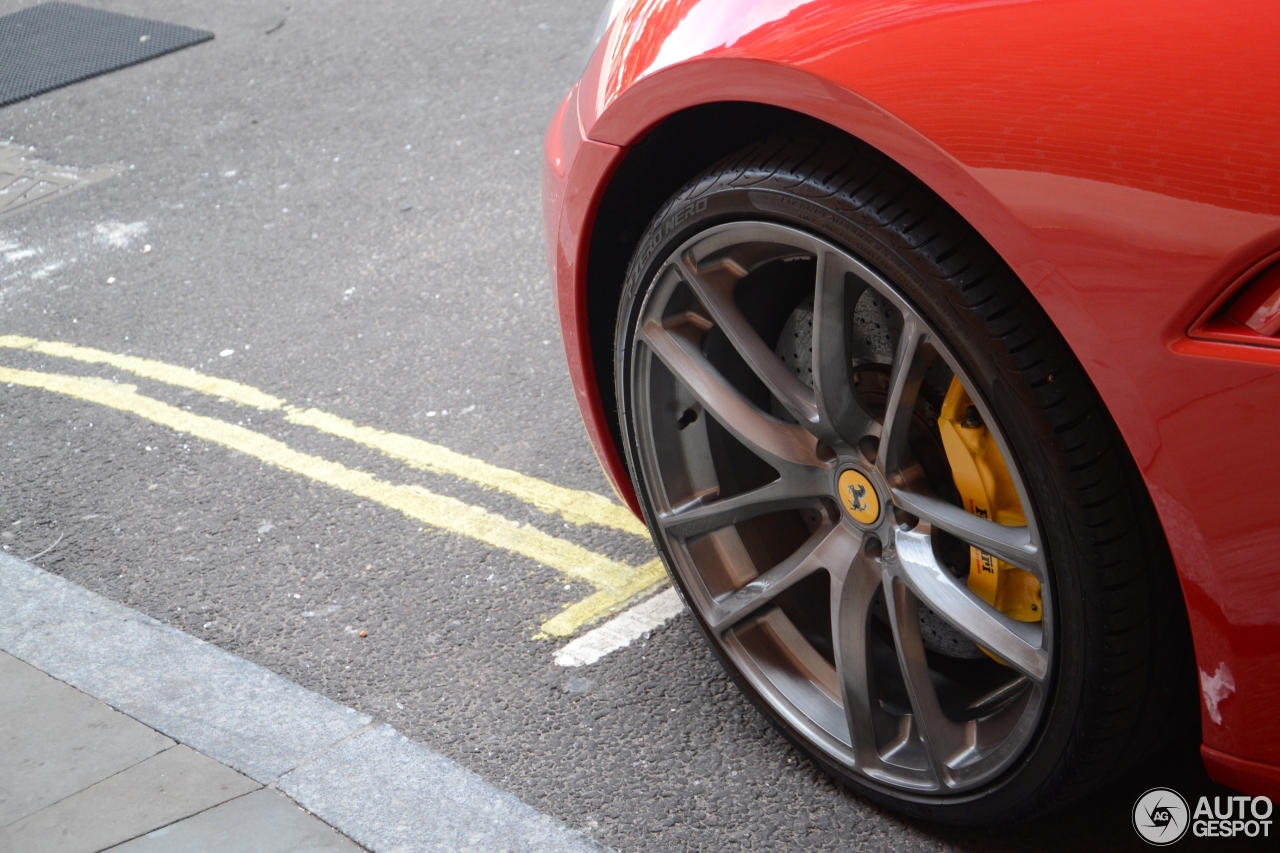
(169, 374)
(574, 505)
(615, 582)
(577, 507)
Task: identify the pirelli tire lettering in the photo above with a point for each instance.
(662, 232)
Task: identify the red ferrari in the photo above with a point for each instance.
(938, 344)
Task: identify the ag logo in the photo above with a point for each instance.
(1160, 816)
(859, 497)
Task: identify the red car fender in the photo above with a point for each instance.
(1122, 158)
(574, 175)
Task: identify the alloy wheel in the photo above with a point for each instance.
(785, 403)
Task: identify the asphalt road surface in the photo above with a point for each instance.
(337, 204)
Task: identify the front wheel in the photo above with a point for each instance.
(887, 490)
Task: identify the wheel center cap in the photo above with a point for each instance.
(858, 496)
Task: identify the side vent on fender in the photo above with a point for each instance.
(1251, 315)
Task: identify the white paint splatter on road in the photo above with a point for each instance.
(119, 235)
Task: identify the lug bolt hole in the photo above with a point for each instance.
(872, 547)
(832, 510)
(824, 453)
(868, 447)
(904, 519)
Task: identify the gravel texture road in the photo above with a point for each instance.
(338, 203)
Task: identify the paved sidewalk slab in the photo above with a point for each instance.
(167, 787)
(77, 776)
(55, 740)
(371, 784)
(261, 822)
(241, 714)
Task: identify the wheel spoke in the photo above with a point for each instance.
(851, 593)
(945, 741)
(797, 487)
(776, 442)
(1012, 544)
(715, 290)
(1019, 644)
(841, 418)
(830, 547)
(909, 367)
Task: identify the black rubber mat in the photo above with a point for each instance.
(52, 45)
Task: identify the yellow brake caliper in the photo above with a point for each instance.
(986, 488)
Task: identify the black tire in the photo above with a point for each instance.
(1120, 683)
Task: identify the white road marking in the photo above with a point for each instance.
(622, 630)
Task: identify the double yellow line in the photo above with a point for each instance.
(616, 583)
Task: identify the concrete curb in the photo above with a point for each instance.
(376, 786)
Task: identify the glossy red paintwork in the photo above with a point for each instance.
(575, 173)
(1124, 158)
